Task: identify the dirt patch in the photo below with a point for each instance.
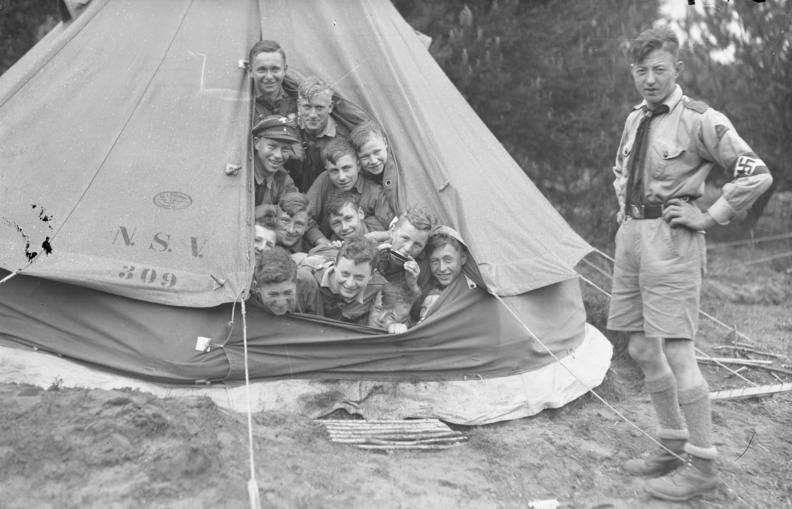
(92, 448)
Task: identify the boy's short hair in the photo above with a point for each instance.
(359, 250)
(294, 203)
(270, 218)
(312, 86)
(275, 266)
(337, 148)
(266, 47)
(338, 199)
(397, 292)
(438, 240)
(361, 134)
(653, 39)
(420, 217)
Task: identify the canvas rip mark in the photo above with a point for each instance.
(46, 247)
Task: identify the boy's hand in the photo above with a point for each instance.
(397, 328)
(412, 271)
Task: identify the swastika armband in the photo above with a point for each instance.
(748, 165)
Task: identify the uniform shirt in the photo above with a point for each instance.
(312, 165)
(283, 105)
(387, 179)
(269, 189)
(681, 149)
(331, 305)
(373, 201)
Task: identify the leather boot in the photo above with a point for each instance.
(658, 463)
(683, 484)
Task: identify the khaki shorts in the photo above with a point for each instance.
(657, 279)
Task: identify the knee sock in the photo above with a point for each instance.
(663, 392)
(695, 406)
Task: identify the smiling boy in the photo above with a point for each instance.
(278, 286)
(273, 138)
(268, 69)
(376, 163)
(348, 286)
(315, 103)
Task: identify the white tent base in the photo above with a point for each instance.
(470, 402)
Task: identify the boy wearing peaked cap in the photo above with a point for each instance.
(273, 138)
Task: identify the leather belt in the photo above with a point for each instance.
(645, 211)
(652, 210)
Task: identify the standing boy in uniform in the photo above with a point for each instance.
(669, 145)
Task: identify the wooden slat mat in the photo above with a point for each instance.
(391, 434)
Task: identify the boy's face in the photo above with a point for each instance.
(380, 317)
(351, 278)
(446, 263)
(268, 70)
(315, 112)
(373, 155)
(278, 298)
(407, 239)
(272, 154)
(264, 238)
(655, 77)
(291, 228)
(348, 222)
(344, 173)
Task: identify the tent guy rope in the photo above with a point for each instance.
(588, 389)
(252, 485)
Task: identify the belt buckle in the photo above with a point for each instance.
(637, 211)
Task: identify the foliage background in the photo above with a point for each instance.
(551, 81)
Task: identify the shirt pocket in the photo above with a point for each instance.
(668, 159)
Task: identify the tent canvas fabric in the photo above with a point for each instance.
(469, 402)
(130, 230)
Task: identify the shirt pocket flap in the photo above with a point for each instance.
(669, 150)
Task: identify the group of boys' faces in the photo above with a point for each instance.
(446, 263)
(315, 111)
(380, 317)
(348, 223)
(268, 70)
(349, 278)
(290, 229)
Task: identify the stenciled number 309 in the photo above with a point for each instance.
(149, 276)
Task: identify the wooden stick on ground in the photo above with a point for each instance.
(751, 392)
(732, 360)
(747, 350)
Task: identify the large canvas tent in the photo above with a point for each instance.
(129, 235)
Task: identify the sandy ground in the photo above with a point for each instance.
(64, 448)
